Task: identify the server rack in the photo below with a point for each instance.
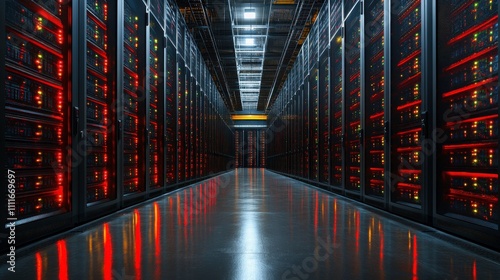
(336, 110)
(100, 185)
(132, 90)
(171, 115)
(466, 190)
(306, 120)
(170, 96)
(37, 99)
(436, 118)
(89, 125)
(324, 93)
(156, 105)
(187, 108)
(262, 148)
(406, 104)
(181, 89)
(313, 104)
(374, 63)
(352, 97)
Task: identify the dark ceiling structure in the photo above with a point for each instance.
(249, 46)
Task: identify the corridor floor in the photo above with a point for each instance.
(251, 224)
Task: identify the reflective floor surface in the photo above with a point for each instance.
(251, 224)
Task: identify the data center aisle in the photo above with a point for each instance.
(251, 224)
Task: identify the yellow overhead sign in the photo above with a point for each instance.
(249, 117)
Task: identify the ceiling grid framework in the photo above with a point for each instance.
(249, 46)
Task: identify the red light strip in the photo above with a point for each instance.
(375, 181)
(410, 186)
(408, 149)
(409, 10)
(410, 171)
(469, 195)
(409, 80)
(473, 29)
(461, 8)
(409, 131)
(354, 91)
(354, 167)
(376, 169)
(355, 76)
(355, 123)
(33, 76)
(471, 57)
(473, 120)
(376, 151)
(376, 116)
(377, 136)
(98, 74)
(471, 174)
(96, 20)
(36, 42)
(469, 146)
(132, 73)
(410, 57)
(356, 105)
(469, 87)
(408, 105)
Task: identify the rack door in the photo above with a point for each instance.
(374, 99)
(352, 97)
(37, 101)
(406, 102)
(133, 97)
(467, 106)
(156, 105)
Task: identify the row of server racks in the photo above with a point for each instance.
(105, 103)
(250, 146)
(395, 103)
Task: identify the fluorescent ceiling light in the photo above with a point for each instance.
(249, 14)
(249, 41)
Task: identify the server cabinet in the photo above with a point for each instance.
(336, 110)
(156, 105)
(352, 97)
(133, 96)
(406, 103)
(313, 104)
(196, 137)
(181, 93)
(324, 118)
(237, 161)
(467, 124)
(306, 165)
(171, 115)
(374, 63)
(190, 85)
(37, 98)
(98, 103)
(262, 148)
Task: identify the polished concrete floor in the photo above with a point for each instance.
(251, 224)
